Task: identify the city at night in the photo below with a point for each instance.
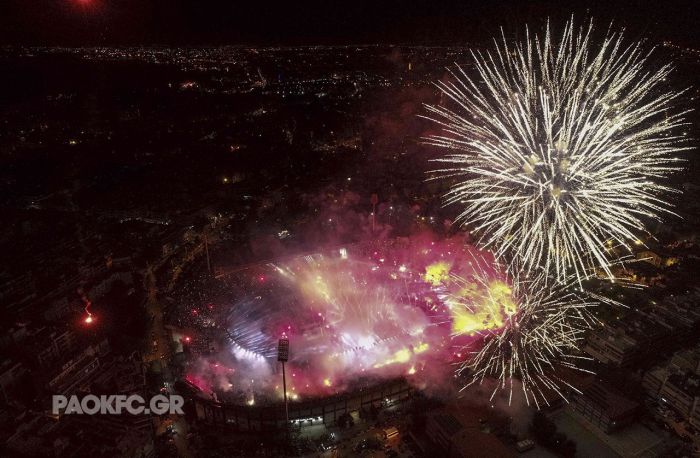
(349, 229)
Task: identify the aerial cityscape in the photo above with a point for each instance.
(450, 229)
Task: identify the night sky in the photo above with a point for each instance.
(264, 22)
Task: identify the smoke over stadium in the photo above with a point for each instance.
(353, 315)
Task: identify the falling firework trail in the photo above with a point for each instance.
(88, 315)
(556, 149)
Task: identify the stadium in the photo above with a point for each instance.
(374, 320)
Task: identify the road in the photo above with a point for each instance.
(159, 352)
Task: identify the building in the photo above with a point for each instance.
(116, 435)
(694, 419)
(36, 434)
(17, 291)
(604, 407)
(654, 379)
(652, 331)
(76, 374)
(677, 384)
(48, 347)
(59, 308)
(32, 436)
(611, 346)
(461, 433)
(11, 374)
(656, 258)
(120, 377)
(682, 392)
(687, 361)
(271, 417)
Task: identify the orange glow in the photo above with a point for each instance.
(489, 307)
(437, 273)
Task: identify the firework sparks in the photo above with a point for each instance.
(345, 315)
(367, 312)
(535, 343)
(555, 146)
(478, 303)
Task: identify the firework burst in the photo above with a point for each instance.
(535, 344)
(557, 147)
